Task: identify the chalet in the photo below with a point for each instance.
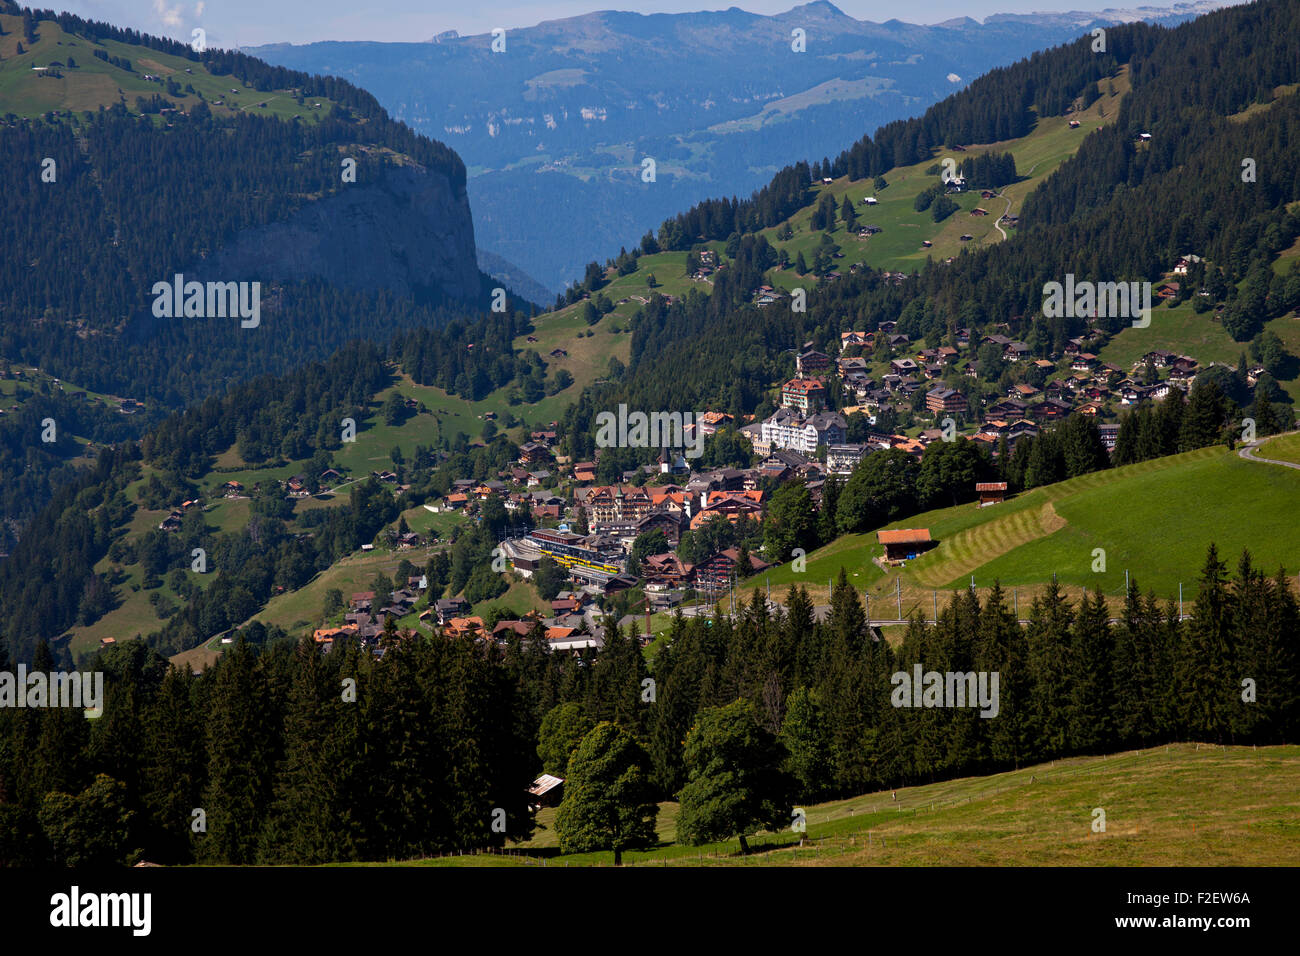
(1050, 410)
(558, 353)
(172, 522)
(667, 570)
(945, 401)
(297, 486)
(803, 393)
(1160, 358)
(842, 459)
(1015, 351)
(732, 505)
(1108, 435)
(584, 471)
(447, 608)
(811, 361)
(546, 791)
(232, 489)
(1074, 124)
(756, 564)
(464, 627)
(1183, 263)
(532, 452)
(904, 544)
(489, 489)
(671, 523)
(977, 211)
(1009, 408)
(1023, 390)
(904, 366)
(991, 492)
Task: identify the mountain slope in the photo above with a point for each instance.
(556, 127)
(299, 183)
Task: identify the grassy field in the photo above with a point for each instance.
(93, 82)
(898, 245)
(1183, 805)
(1181, 330)
(1282, 448)
(1210, 495)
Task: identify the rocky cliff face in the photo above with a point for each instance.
(409, 233)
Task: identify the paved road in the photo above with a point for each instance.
(1248, 452)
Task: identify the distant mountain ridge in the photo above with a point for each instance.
(555, 129)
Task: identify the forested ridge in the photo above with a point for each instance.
(295, 757)
(270, 419)
(1119, 210)
(134, 200)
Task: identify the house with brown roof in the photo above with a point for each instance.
(904, 543)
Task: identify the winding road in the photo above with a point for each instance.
(1008, 199)
(1248, 452)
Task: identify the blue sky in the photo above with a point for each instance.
(230, 23)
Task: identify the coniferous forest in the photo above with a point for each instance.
(295, 757)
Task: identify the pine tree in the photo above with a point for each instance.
(1092, 697)
(240, 749)
(1205, 681)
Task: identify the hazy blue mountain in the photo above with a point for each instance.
(555, 128)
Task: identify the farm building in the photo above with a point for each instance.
(991, 492)
(547, 791)
(905, 543)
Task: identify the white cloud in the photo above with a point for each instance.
(170, 16)
(199, 8)
(954, 78)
